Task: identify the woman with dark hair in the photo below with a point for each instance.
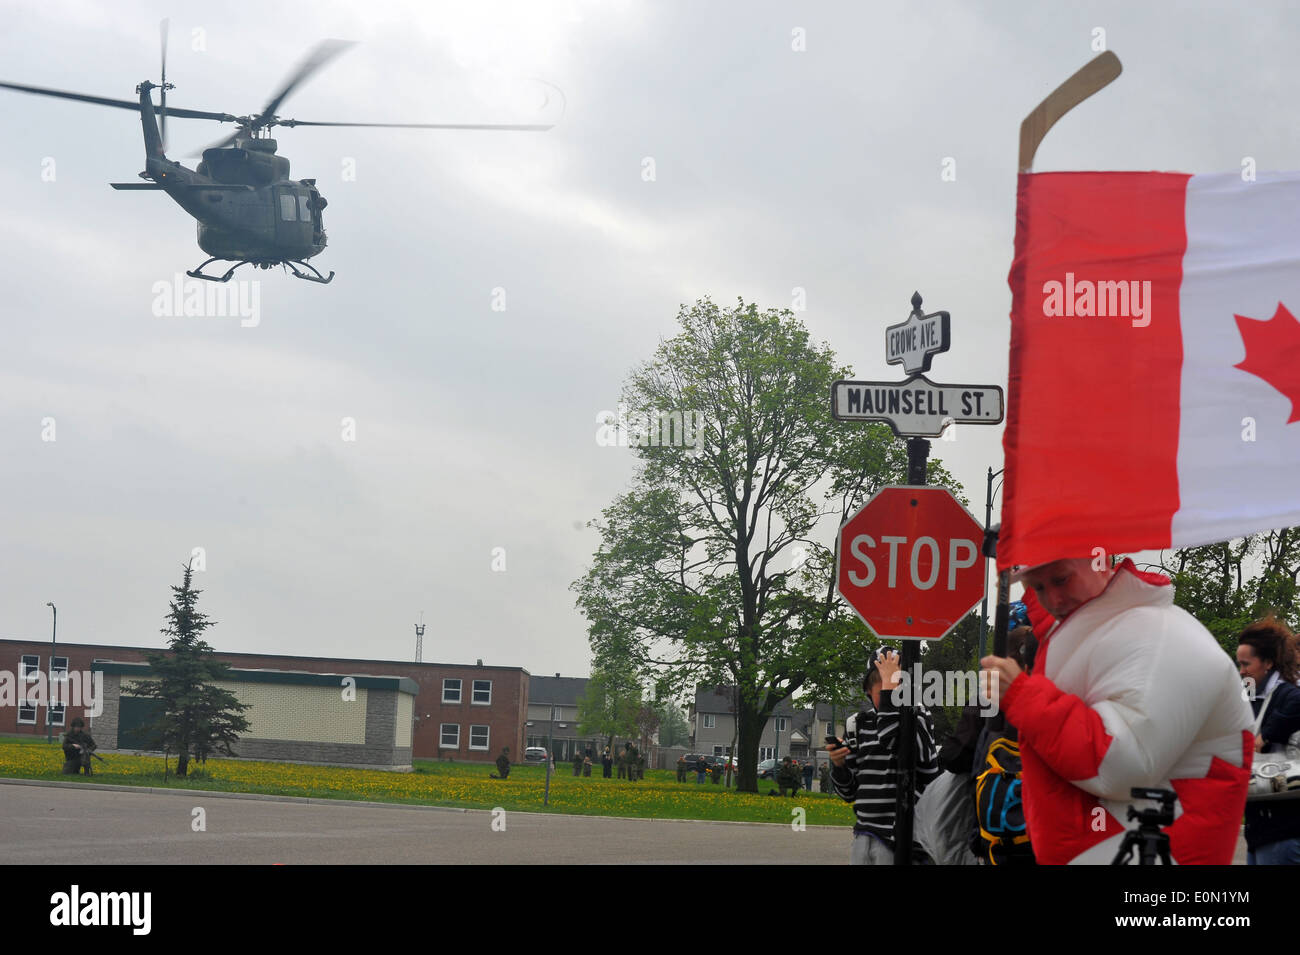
(1267, 656)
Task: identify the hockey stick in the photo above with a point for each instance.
(1095, 75)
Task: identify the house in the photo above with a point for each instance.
(790, 731)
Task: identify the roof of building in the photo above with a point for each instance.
(719, 699)
(561, 690)
(281, 656)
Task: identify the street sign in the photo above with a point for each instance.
(909, 562)
(914, 342)
(916, 407)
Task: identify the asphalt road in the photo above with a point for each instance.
(42, 824)
(50, 825)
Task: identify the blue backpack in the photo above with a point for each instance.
(1003, 838)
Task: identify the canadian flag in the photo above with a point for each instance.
(1154, 386)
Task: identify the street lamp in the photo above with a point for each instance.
(550, 741)
(49, 711)
(988, 516)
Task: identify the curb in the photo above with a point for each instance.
(316, 801)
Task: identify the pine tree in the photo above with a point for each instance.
(198, 718)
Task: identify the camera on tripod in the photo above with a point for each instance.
(1147, 836)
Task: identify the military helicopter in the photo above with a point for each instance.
(248, 209)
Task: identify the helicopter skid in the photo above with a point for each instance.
(317, 277)
(314, 277)
(198, 273)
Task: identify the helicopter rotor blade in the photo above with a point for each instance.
(163, 29)
(321, 54)
(525, 128)
(133, 105)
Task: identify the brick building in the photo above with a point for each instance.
(463, 712)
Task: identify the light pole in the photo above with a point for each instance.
(988, 516)
(550, 739)
(49, 711)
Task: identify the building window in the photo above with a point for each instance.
(766, 752)
(30, 668)
(781, 724)
(710, 721)
(450, 736)
(287, 206)
(478, 737)
(56, 714)
(482, 692)
(59, 670)
(26, 710)
(451, 691)
(717, 751)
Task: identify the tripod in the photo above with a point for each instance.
(1147, 838)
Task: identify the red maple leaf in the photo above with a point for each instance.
(1273, 353)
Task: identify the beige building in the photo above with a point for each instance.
(339, 719)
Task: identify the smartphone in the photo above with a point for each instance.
(834, 742)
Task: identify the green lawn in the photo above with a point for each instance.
(464, 785)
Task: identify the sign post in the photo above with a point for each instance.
(909, 559)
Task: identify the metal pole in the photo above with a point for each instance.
(918, 450)
(984, 604)
(550, 740)
(49, 694)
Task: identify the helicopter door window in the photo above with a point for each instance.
(304, 209)
(286, 209)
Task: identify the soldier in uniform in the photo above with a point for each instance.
(503, 763)
(787, 777)
(77, 747)
(681, 769)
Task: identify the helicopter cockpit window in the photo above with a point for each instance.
(304, 209)
(286, 209)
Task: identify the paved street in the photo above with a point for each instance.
(77, 826)
(41, 824)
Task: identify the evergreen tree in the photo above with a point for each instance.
(197, 719)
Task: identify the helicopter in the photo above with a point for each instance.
(248, 209)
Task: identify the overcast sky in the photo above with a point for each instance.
(775, 167)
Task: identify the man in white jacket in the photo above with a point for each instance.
(1127, 691)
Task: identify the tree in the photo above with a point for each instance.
(717, 567)
(611, 704)
(1228, 585)
(197, 719)
(673, 728)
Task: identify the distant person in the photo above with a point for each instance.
(586, 766)
(701, 769)
(1267, 656)
(606, 763)
(503, 764)
(78, 747)
(808, 775)
(681, 768)
(577, 762)
(621, 760)
(787, 777)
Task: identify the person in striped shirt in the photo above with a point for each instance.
(865, 770)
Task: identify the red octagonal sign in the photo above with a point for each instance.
(910, 564)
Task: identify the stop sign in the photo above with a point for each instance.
(909, 562)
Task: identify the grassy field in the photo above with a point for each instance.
(463, 785)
